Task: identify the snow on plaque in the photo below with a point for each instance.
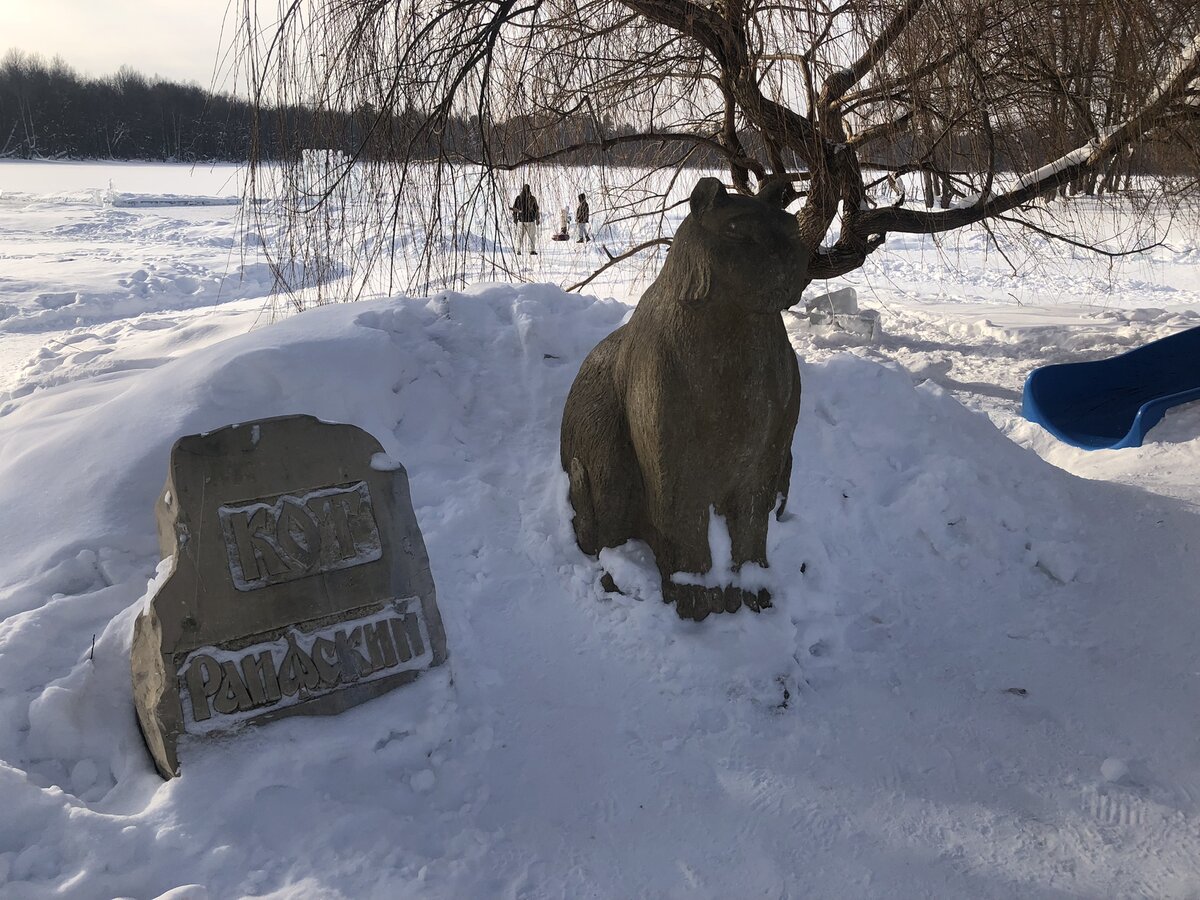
(299, 583)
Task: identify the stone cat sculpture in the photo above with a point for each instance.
(691, 405)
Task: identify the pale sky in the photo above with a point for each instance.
(177, 39)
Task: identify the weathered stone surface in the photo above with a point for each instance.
(691, 405)
(300, 582)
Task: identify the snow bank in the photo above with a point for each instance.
(959, 649)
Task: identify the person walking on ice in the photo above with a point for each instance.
(582, 214)
(526, 217)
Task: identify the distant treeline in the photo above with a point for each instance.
(47, 111)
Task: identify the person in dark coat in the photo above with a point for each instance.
(526, 216)
(582, 215)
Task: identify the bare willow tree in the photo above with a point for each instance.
(866, 117)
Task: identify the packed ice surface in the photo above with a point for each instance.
(978, 679)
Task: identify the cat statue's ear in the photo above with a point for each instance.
(776, 192)
(707, 193)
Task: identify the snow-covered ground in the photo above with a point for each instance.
(979, 678)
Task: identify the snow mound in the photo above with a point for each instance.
(932, 591)
(177, 286)
(89, 265)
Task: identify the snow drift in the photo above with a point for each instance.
(966, 687)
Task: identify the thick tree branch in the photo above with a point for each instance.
(844, 79)
(649, 137)
(839, 260)
(1088, 158)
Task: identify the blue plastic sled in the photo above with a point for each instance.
(1112, 403)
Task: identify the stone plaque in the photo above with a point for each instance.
(299, 582)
